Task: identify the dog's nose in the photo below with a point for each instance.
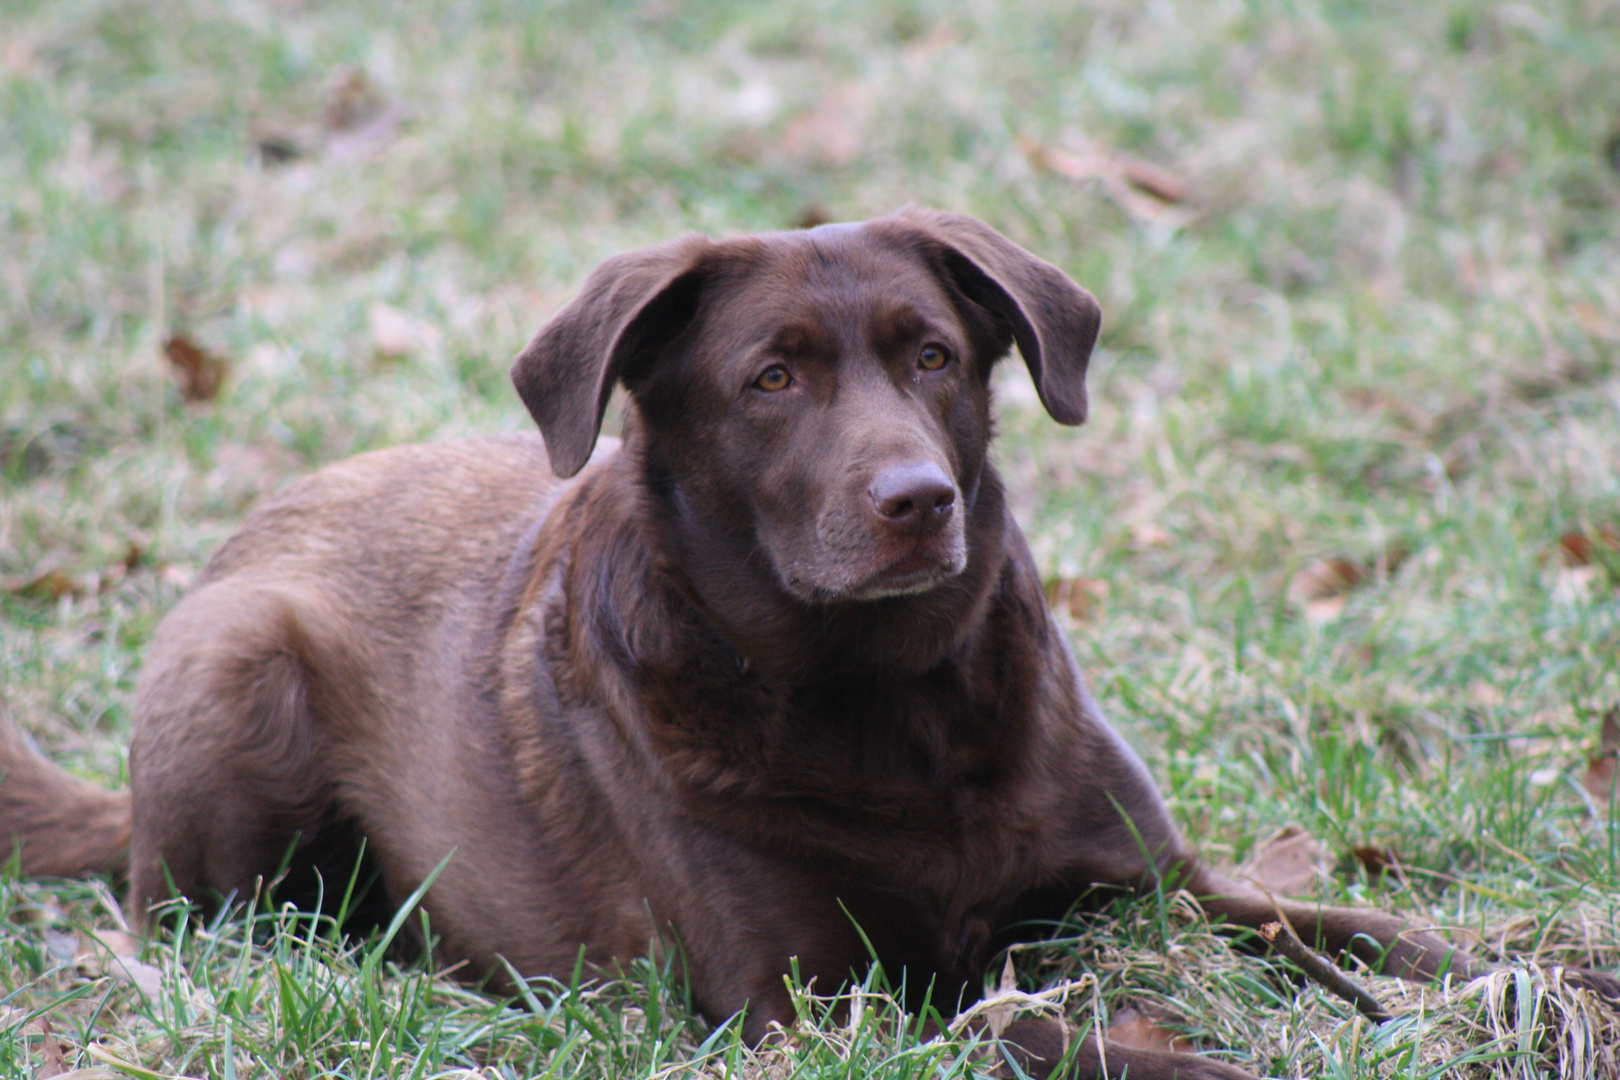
(916, 495)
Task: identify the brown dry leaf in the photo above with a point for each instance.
(1142, 189)
(1393, 558)
(813, 216)
(50, 1049)
(51, 585)
(1156, 180)
(358, 119)
(998, 1017)
(1135, 1029)
(1580, 547)
(1379, 860)
(1599, 777)
(1291, 863)
(201, 373)
(112, 953)
(351, 99)
(1082, 599)
(1323, 587)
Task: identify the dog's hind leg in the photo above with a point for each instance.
(224, 760)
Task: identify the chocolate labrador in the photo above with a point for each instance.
(775, 673)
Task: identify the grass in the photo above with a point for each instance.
(1383, 328)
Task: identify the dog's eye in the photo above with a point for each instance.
(774, 378)
(933, 357)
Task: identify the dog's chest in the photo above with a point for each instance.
(843, 762)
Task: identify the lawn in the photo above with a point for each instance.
(1337, 549)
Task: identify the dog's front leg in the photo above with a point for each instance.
(1386, 943)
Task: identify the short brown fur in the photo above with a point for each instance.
(780, 661)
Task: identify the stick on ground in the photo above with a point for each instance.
(1320, 969)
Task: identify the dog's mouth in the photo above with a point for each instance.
(852, 562)
(910, 573)
(915, 571)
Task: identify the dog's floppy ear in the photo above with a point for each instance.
(1053, 320)
(629, 303)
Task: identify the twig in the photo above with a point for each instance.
(1313, 964)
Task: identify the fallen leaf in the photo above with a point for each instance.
(1142, 189)
(1291, 863)
(812, 216)
(1082, 599)
(1392, 558)
(1581, 547)
(112, 953)
(201, 373)
(1322, 588)
(1133, 1028)
(997, 1017)
(351, 99)
(1575, 549)
(1156, 180)
(1377, 861)
(1599, 777)
(50, 1049)
(51, 585)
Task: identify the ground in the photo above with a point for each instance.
(1337, 547)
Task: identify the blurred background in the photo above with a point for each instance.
(1338, 547)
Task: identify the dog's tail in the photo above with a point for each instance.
(60, 825)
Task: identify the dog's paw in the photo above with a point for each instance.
(1039, 1047)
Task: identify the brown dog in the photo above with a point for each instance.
(778, 665)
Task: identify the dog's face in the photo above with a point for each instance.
(829, 404)
(820, 396)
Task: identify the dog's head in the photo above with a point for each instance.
(819, 396)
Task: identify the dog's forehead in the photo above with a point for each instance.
(827, 285)
(840, 272)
